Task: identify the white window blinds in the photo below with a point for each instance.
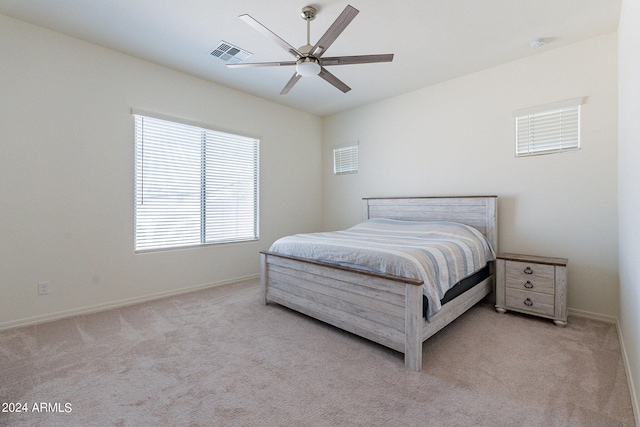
(193, 185)
(548, 128)
(345, 160)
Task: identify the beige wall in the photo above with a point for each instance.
(66, 175)
(629, 191)
(457, 138)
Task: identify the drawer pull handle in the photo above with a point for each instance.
(528, 285)
(528, 270)
(528, 302)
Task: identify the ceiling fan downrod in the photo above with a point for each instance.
(308, 14)
(308, 65)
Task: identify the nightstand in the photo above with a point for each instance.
(533, 285)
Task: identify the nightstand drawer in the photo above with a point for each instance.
(530, 276)
(530, 301)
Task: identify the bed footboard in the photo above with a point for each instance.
(381, 308)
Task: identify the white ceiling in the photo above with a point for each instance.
(433, 40)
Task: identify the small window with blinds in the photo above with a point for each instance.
(547, 129)
(345, 160)
(193, 186)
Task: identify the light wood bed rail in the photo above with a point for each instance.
(382, 308)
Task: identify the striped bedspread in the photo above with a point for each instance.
(439, 253)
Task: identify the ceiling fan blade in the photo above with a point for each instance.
(334, 31)
(294, 79)
(270, 35)
(333, 80)
(356, 59)
(261, 64)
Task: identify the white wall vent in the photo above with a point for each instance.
(229, 53)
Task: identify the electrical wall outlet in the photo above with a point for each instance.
(43, 288)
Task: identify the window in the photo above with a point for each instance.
(193, 186)
(548, 128)
(345, 160)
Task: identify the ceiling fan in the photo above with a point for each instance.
(309, 60)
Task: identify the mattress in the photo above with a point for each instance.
(459, 288)
(439, 253)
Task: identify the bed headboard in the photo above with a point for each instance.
(480, 212)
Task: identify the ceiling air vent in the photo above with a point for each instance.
(229, 53)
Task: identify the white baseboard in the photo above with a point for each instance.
(635, 403)
(116, 304)
(594, 316)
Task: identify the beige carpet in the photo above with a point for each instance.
(219, 358)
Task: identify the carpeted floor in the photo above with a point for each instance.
(218, 357)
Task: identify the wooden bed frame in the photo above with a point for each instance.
(382, 308)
